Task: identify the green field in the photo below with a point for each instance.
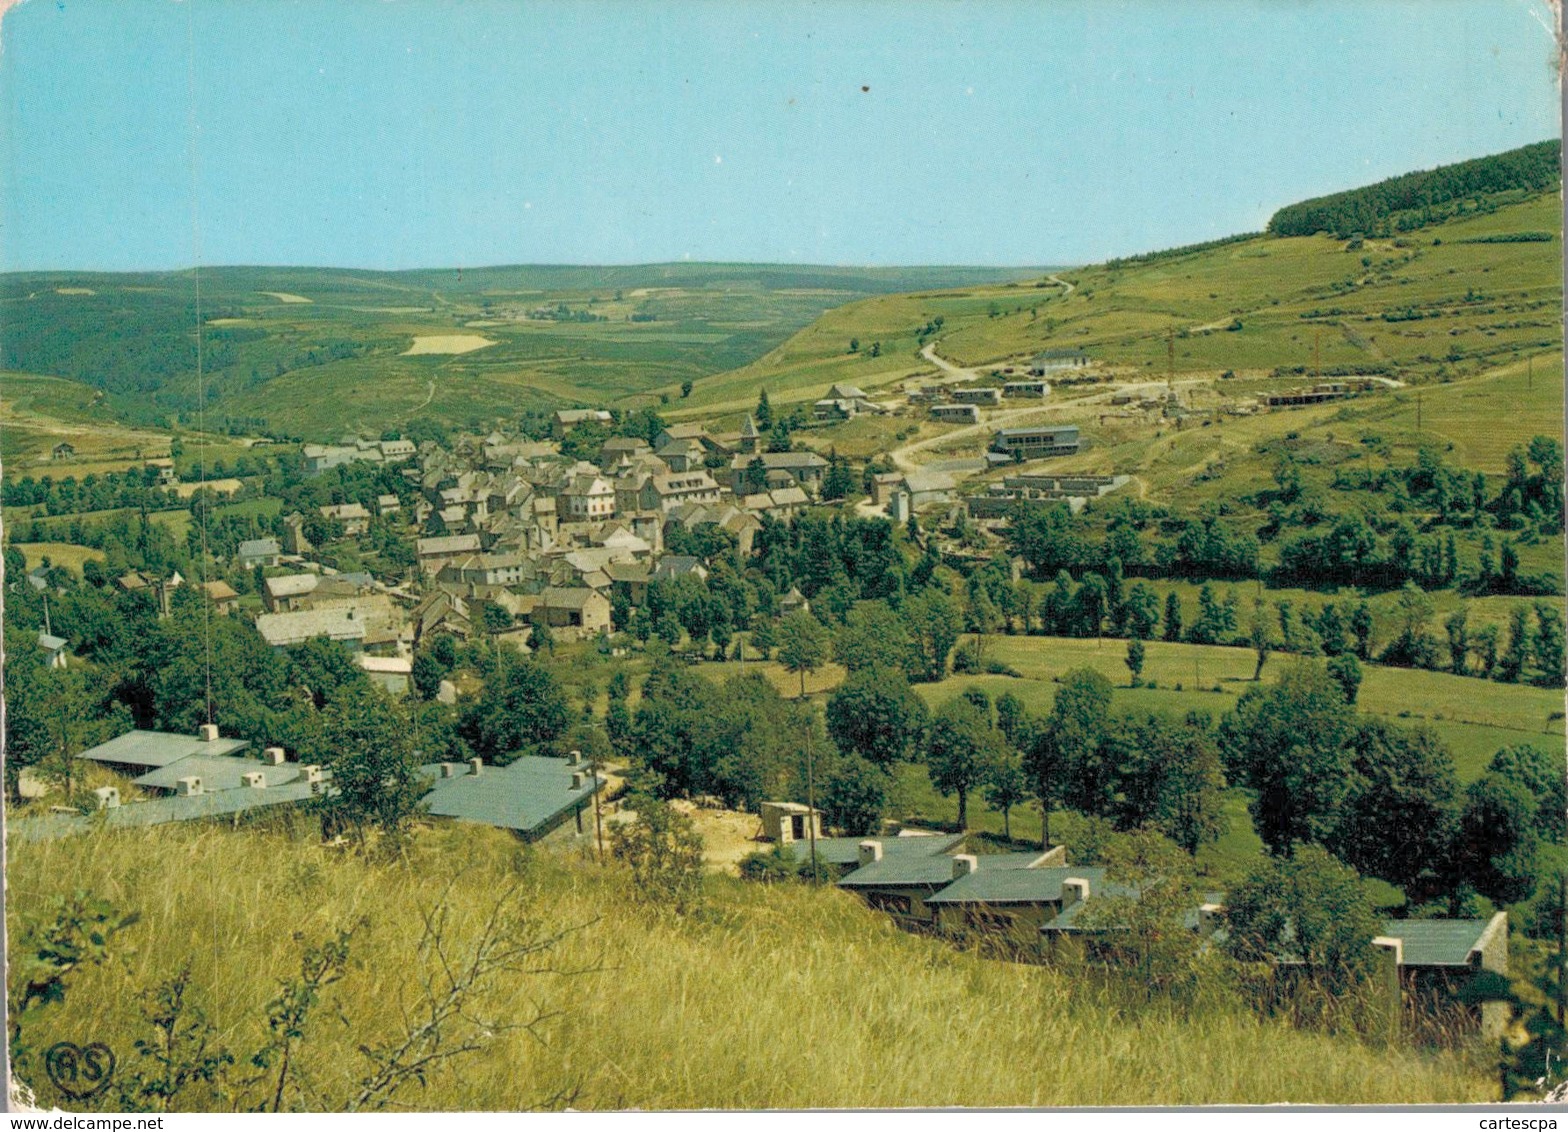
(1474, 718)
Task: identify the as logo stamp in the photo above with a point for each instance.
(80, 1071)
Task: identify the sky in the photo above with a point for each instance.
(153, 134)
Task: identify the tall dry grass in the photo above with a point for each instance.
(770, 997)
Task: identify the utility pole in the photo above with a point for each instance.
(1170, 357)
(1562, 946)
(1317, 357)
(598, 822)
(1418, 410)
(811, 801)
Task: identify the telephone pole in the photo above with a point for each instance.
(598, 822)
(811, 801)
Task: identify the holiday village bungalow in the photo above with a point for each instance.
(1035, 901)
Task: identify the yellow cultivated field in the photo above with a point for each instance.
(447, 344)
(286, 297)
(227, 486)
(59, 554)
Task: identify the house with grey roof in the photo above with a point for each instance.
(257, 552)
(749, 474)
(1015, 902)
(205, 774)
(53, 648)
(137, 752)
(233, 805)
(1438, 960)
(903, 883)
(841, 855)
(529, 796)
(674, 565)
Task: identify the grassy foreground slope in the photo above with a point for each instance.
(767, 997)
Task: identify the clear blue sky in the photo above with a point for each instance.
(433, 133)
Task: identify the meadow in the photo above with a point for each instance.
(637, 1006)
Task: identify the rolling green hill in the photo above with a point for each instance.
(314, 352)
(1454, 299)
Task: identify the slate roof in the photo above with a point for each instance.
(50, 643)
(259, 548)
(846, 850)
(523, 795)
(218, 773)
(158, 748)
(1016, 884)
(1437, 943)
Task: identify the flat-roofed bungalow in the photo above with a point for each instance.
(841, 855)
(903, 883)
(1013, 898)
(1037, 441)
(137, 752)
(966, 414)
(1438, 959)
(529, 796)
(233, 805)
(218, 772)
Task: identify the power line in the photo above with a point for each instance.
(201, 384)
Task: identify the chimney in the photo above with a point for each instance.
(312, 773)
(574, 759)
(476, 765)
(186, 787)
(108, 797)
(1211, 917)
(964, 864)
(870, 851)
(448, 770)
(255, 779)
(208, 732)
(579, 780)
(272, 756)
(1075, 890)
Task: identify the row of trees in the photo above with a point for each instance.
(1385, 798)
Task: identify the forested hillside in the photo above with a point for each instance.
(1414, 200)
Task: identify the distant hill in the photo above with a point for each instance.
(320, 350)
(1414, 200)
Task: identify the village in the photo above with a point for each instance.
(520, 544)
